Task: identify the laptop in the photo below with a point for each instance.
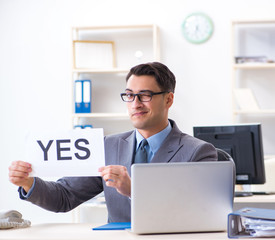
(181, 197)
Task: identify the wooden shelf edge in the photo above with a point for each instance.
(266, 111)
(268, 157)
(250, 21)
(103, 70)
(101, 115)
(113, 27)
(254, 65)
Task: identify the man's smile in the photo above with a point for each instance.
(139, 113)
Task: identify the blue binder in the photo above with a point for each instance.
(83, 126)
(82, 96)
(88, 126)
(251, 222)
(86, 103)
(77, 126)
(78, 96)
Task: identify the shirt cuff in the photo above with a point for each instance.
(22, 192)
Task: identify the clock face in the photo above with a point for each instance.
(197, 28)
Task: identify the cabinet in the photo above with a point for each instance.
(253, 76)
(105, 54)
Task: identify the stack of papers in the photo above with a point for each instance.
(251, 222)
(258, 227)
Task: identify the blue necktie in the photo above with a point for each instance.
(141, 154)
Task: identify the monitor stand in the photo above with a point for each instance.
(263, 193)
(248, 194)
(243, 190)
(243, 194)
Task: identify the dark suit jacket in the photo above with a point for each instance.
(67, 193)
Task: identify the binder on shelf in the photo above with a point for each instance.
(83, 126)
(86, 85)
(251, 222)
(88, 126)
(82, 96)
(78, 96)
(77, 126)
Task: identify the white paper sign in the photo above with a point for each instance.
(79, 152)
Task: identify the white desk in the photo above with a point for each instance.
(258, 201)
(78, 231)
(81, 231)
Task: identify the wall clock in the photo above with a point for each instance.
(197, 28)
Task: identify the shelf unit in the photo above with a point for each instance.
(254, 66)
(120, 47)
(254, 38)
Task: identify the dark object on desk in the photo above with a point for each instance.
(263, 193)
(249, 194)
(243, 194)
(244, 144)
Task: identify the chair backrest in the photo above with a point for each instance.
(224, 156)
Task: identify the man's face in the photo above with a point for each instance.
(148, 117)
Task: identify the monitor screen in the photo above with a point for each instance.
(244, 144)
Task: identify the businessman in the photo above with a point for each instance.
(149, 94)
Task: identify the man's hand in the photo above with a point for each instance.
(19, 174)
(116, 176)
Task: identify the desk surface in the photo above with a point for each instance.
(70, 231)
(256, 199)
(78, 231)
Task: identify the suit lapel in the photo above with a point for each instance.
(166, 152)
(126, 151)
(170, 146)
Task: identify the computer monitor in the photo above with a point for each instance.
(244, 143)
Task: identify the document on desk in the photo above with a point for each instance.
(114, 226)
(78, 152)
(251, 222)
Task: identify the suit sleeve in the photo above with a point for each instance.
(65, 194)
(204, 152)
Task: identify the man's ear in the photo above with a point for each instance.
(169, 99)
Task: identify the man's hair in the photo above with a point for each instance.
(164, 77)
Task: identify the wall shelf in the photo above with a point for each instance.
(254, 66)
(113, 70)
(260, 112)
(253, 84)
(131, 45)
(101, 115)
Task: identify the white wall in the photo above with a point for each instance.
(35, 61)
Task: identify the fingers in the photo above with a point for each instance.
(19, 169)
(19, 172)
(117, 176)
(113, 172)
(20, 166)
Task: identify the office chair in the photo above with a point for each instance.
(224, 156)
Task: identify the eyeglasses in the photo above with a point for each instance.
(142, 97)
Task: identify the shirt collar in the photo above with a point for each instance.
(156, 140)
